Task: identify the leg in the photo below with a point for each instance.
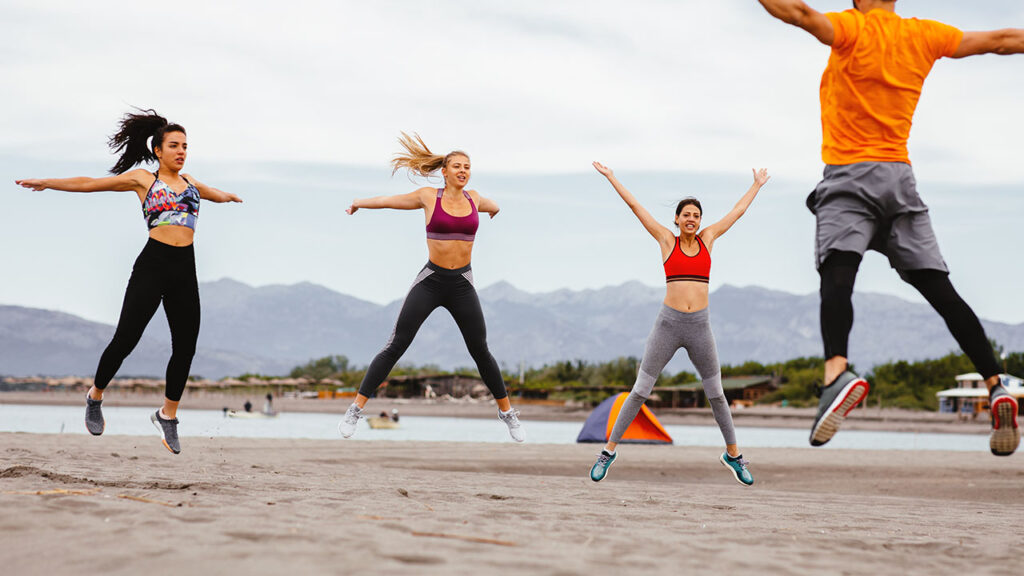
(965, 327)
(141, 300)
(703, 353)
(464, 306)
(661, 346)
(935, 286)
(419, 303)
(181, 305)
(838, 274)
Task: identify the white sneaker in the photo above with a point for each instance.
(347, 426)
(515, 428)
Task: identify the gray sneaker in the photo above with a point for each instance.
(837, 399)
(347, 426)
(1005, 435)
(515, 428)
(94, 421)
(168, 431)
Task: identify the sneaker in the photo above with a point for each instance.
(168, 431)
(738, 467)
(837, 399)
(600, 468)
(94, 421)
(1005, 433)
(511, 419)
(347, 426)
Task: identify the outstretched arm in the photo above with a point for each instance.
(799, 14)
(662, 234)
(129, 181)
(1003, 42)
(486, 205)
(710, 233)
(410, 201)
(212, 194)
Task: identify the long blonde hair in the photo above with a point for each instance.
(418, 159)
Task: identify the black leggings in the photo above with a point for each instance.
(433, 287)
(838, 273)
(161, 272)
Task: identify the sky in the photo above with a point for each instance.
(297, 106)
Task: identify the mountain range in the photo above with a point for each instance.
(271, 329)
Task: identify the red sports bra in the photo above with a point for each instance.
(682, 268)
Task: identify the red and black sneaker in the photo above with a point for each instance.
(1005, 434)
(837, 399)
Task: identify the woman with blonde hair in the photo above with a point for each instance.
(452, 217)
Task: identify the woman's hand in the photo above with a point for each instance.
(352, 209)
(760, 176)
(606, 171)
(233, 198)
(32, 184)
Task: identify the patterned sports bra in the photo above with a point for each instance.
(165, 207)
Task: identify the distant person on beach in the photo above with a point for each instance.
(684, 321)
(867, 198)
(165, 271)
(394, 414)
(452, 217)
(247, 406)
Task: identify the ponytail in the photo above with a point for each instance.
(418, 159)
(130, 139)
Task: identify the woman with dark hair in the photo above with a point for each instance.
(683, 321)
(452, 218)
(165, 270)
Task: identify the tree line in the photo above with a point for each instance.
(898, 384)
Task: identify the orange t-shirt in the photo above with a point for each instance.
(873, 81)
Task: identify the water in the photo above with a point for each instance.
(212, 424)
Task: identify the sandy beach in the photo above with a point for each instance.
(124, 505)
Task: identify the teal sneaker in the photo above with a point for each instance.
(600, 468)
(738, 467)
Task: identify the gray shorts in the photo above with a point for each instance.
(874, 206)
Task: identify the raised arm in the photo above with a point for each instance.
(662, 234)
(210, 193)
(410, 201)
(133, 180)
(710, 233)
(1003, 42)
(799, 14)
(485, 205)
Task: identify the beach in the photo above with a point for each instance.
(123, 504)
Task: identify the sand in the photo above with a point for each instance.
(75, 504)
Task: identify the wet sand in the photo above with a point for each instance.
(77, 504)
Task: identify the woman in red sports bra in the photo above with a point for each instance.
(683, 321)
(452, 218)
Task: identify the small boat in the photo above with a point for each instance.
(381, 423)
(250, 415)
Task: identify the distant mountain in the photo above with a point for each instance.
(273, 328)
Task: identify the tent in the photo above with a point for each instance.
(645, 428)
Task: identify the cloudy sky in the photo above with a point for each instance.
(296, 106)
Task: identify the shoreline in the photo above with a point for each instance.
(870, 418)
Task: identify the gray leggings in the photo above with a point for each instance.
(674, 330)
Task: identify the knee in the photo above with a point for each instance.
(644, 385)
(713, 387)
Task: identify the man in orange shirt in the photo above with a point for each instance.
(867, 198)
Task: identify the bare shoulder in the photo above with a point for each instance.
(141, 176)
(474, 195)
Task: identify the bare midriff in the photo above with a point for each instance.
(451, 254)
(686, 296)
(172, 235)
